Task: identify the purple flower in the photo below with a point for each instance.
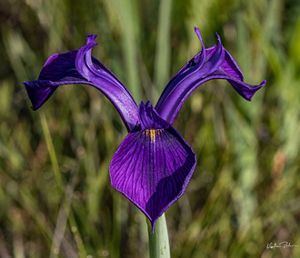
(153, 165)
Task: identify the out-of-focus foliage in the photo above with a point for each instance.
(55, 195)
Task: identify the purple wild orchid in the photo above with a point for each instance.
(154, 164)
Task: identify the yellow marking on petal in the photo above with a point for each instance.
(152, 133)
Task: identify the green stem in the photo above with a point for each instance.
(159, 239)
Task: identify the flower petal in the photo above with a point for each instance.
(149, 118)
(152, 168)
(79, 67)
(211, 63)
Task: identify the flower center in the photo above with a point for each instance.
(151, 133)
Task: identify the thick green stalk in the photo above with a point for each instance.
(159, 239)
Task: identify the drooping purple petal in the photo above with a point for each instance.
(152, 168)
(79, 67)
(210, 63)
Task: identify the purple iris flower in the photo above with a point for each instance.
(154, 164)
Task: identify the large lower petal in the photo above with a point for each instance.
(79, 67)
(211, 63)
(152, 168)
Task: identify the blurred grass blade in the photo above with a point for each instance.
(62, 218)
(77, 236)
(163, 46)
(244, 147)
(51, 151)
(126, 11)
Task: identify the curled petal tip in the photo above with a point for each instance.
(91, 39)
(263, 83)
(249, 92)
(39, 91)
(218, 38)
(198, 33)
(197, 30)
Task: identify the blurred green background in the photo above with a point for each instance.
(55, 195)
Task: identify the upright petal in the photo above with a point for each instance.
(149, 118)
(152, 167)
(211, 63)
(79, 67)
